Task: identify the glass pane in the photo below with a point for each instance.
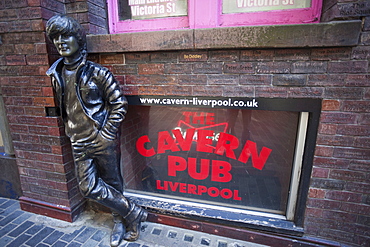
(151, 9)
(1, 140)
(230, 157)
(244, 6)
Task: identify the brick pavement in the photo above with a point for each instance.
(23, 229)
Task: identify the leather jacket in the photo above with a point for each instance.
(97, 91)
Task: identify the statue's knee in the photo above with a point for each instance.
(94, 191)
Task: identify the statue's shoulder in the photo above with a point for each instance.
(95, 69)
(54, 67)
(95, 66)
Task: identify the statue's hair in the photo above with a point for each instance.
(65, 25)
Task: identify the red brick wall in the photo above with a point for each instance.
(338, 205)
(42, 151)
(344, 9)
(91, 14)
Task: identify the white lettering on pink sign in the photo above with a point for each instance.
(154, 8)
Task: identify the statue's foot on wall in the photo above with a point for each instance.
(133, 226)
(118, 231)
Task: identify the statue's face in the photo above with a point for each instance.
(67, 46)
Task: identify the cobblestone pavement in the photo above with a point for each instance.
(23, 229)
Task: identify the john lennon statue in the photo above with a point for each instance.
(92, 108)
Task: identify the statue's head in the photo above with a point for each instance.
(67, 35)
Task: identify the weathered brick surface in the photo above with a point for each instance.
(289, 80)
(224, 55)
(255, 79)
(330, 105)
(317, 193)
(365, 38)
(273, 67)
(312, 67)
(341, 53)
(256, 55)
(335, 117)
(147, 69)
(312, 92)
(42, 154)
(339, 10)
(344, 93)
(348, 66)
(112, 59)
(164, 57)
(239, 68)
(178, 68)
(338, 197)
(319, 173)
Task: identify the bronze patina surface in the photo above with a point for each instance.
(92, 107)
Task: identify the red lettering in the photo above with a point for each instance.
(197, 118)
(164, 187)
(182, 188)
(203, 117)
(175, 164)
(166, 142)
(173, 186)
(201, 189)
(210, 118)
(198, 189)
(187, 115)
(236, 195)
(192, 189)
(226, 193)
(185, 144)
(227, 143)
(204, 143)
(250, 149)
(213, 191)
(140, 147)
(220, 171)
(204, 168)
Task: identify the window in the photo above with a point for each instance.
(1, 142)
(150, 15)
(269, 12)
(6, 147)
(235, 155)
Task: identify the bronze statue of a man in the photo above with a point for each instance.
(92, 107)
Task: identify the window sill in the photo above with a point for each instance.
(216, 215)
(341, 33)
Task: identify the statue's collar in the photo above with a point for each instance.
(80, 61)
(57, 66)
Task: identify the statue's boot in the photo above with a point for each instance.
(118, 230)
(131, 213)
(133, 221)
